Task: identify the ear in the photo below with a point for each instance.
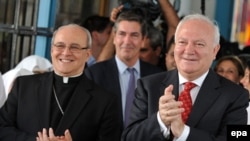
(51, 51)
(94, 35)
(143, 42)
(216, 50)
(158, 51)
(89, 53)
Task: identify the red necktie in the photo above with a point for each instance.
(186, 99)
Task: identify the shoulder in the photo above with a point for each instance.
(158, 79)
(101, 65)
(161, 76)
(146, 67)
(225, 87)
(98, 91)
(34, 76)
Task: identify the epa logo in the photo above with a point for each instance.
(238, 134)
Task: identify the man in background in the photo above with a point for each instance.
(100, 29)
(114, 74)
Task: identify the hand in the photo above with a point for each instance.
(115, 12)
(177, 126)
(169, 108)
(170, 112)
(43, 136)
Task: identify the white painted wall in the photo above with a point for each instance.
(194, 6)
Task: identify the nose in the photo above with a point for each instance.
(242, 80)
(189, 48)
(223, 73)
(127, 39)
(66, 51)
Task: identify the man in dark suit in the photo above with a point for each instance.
(130, 29)
(216, 102)
(63, 103)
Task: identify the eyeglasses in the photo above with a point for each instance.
(74, 48)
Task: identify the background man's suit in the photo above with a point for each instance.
(219, 102)
(106, 75)
(91, 111)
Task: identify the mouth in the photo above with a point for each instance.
(189, 60)
(65, 60)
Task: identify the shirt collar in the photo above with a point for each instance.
(122, 67)
(197, 81)
(66, 79)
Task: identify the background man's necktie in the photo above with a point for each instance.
(130, 95)
(186, 99)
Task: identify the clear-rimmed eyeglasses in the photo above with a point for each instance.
(74, 48)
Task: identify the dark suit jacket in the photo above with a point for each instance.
(219, 102)
(106, 75)
(92, 113)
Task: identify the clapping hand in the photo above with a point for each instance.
(43, 136)
(170, 111)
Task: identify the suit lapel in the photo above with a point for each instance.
(205, 98)
(78, 101)
(44, 90)
(171, 79)
(113, 76)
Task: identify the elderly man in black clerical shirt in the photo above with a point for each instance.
(62, 105)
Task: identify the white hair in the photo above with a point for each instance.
(205, 19)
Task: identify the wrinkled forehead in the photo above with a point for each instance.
(71, 35)
(195, 30)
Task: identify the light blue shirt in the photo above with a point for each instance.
(91, 61)
(124, 78)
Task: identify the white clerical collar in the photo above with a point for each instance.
(66, 79)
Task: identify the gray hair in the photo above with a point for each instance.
(205, 19)
(89, 38)
(155, 37)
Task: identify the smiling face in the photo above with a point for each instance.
(65, 62)
(128, 40)
(195, 48)
(228, 70)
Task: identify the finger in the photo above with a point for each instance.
(168, 90)
(169, 109)
(170, 105)
(174, 112)
(44, 134)
(167, 98)
(51, 133)
(171, 117)
(67, 135)
(39, 134)
(39, 138)
(120, 7)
